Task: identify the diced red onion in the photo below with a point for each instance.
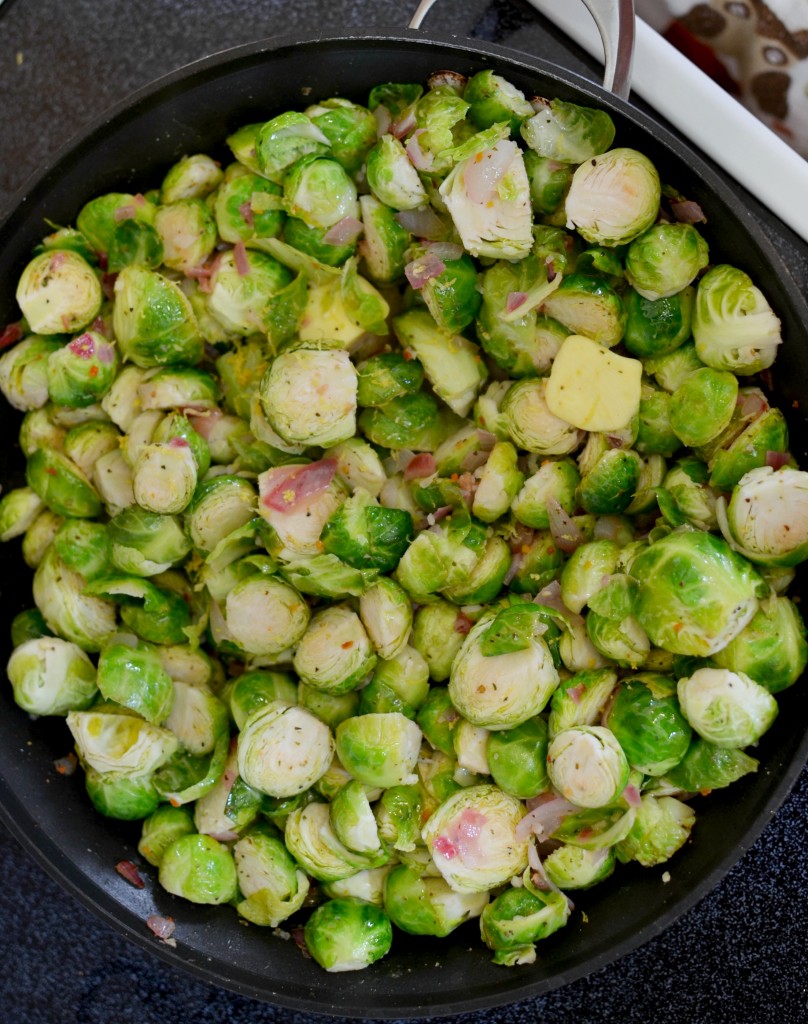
(285, 487)
(226, 836)
(404, 123)
(422, 222)
(446, 250)
(687, 211)
(423, 269)
(162, 927)
(241, 259)
(420, 466)
(632, 795)
(544, 819)
(576, 692)
(752, 403)
(521, 538)
(482, 174)
(514, 301)
(57, 259)
(204, 423)
(66, 765)
(247, 214)
(383, 120)
(126, 869)
(420, 160)
(344, 231)
(566, 534)
(474, 460)
(462, 624)
(126, 212)
(178, 442)
(11, 334)
(441, 513)
(105, 353)
(513, 568)
(776, 460)
(608, 527)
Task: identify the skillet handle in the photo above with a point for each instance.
(615, 22)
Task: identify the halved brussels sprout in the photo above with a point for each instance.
(702, 406)
(313, 843)
(131, 673)
(284, 140)
(765, 518)
(392, 179)
(613, 197)
(19, 509)
(367, 535)
(264, 615)
(472, 838)
(153, 321)
(61, 485)
(24, 372)
(187, 230)
(51, 676)
(283, 749)
(349, 127)
(59, 293)
(517, 918)
(504, 673)
(243, 290)
(192, 177)
(161, 828)
(572, 867)
(438, 633)
(662, 826)
(517, 759)
(122, 743)
(220, 505)
(272, 886)
(649, 725)
(319, 192)
(60, 595)
(425, 905)
(247, 206)
(530, 423)
(145, 543)
(493, 99)
(587, 765)
(164, 476)
(297, 501)
(400, 683)
(726, 708)
(734, 327)
(385, 242)
(567, 132)
(554, 481)
(334, 653)
(386, 614)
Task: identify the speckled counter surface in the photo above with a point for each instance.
(739, 955)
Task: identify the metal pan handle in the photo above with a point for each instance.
(615, 22)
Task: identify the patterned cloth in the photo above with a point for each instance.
(757, 51)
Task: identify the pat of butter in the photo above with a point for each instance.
(592, 387)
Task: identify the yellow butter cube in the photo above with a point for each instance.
(592, 387)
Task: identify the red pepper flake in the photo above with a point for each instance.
(66, 765)
(93, 371)
(50, 470)
(347, 645)
(162, 927)
(126, 869)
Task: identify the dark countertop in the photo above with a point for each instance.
(739, 955)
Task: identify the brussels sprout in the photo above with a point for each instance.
(219, 506)
(349, 128)
(164, 476)
(51, 676)
(765, 519)
(734, 327)
(200, 869)
(540, 563)
(623, 641)
(297, 501)
(310, 397)
(665, 259)
(614, 197)
(585, 571)
(589, 306)
(502, 690)
(187, 664)
(655, 435)
(656, 327)
(587, 765)
(771, 648)
(695, 593)
(450, 289)
(400, 683)
(452, 364)
(440, 559)
(530, 423)
(708, 766)
(499, 483)
(491, 211)
(59, 293)
(438, 718)
(283, 749)
(472, 838)
(125, 797)
(493, 99)
(61, 485)
(264, 615)
(19, 509)
(327, 576)
(353, 821)
(572, 867)
(749, 450)
(395, 97)
(648, 724)
(517, 918)
(187, 230)
(146, 543)
(437, 636)
(153, 322)
(662, 826)
(120, 743)
(24, 372)
(392, 179)
(567, 132)
(553, 482)
(386, 614)
(38, 430)
(28, 625)
(366, 535)
(284, 140)
(334, 653)
(272, 885)
(517, 759)
(312, 242)
(99, 219)
(86, 443)
(59, 594)
(379, 749)
(318, 191)
(245, 293)
(245, 206)
(425, 905)
(132, 674)
(38, 535)
(385, 241)
(193, 177)
(255, 689)
(313, 843)
(398, 817)
(686, 497)
(161, 828)
(411, 421)
(549, 182)
(366, 885)
(347, 934)
(702, 406)
(726, 708)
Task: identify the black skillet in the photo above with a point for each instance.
(193, 110)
